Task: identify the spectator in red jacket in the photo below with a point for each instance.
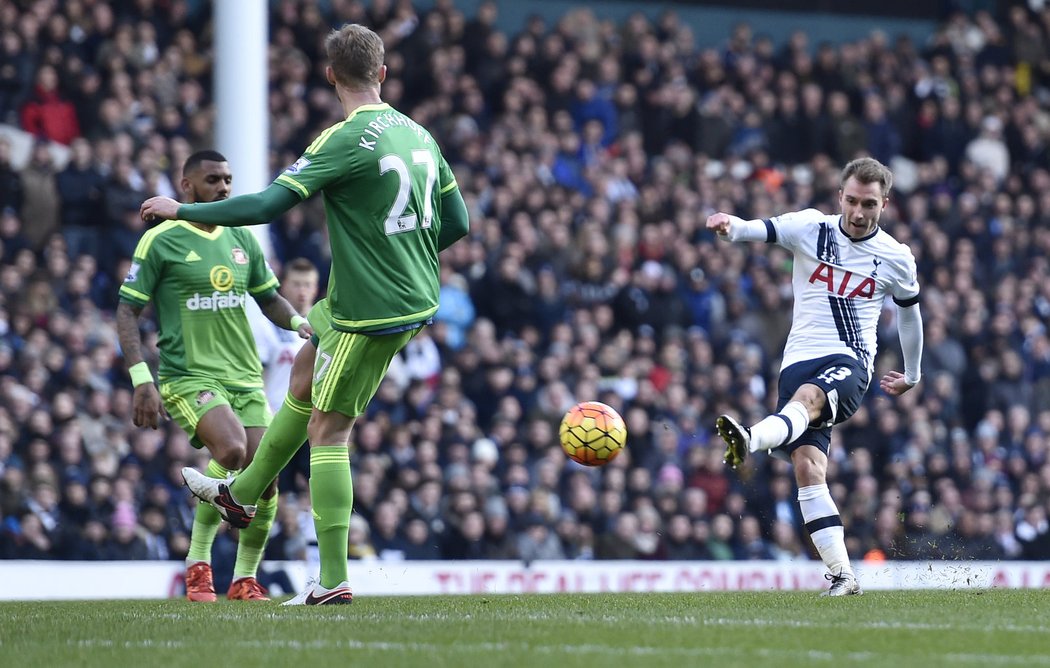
(47, 115)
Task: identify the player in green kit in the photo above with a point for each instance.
(199, 278)
(392, 205)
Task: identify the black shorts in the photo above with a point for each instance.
(844, 382)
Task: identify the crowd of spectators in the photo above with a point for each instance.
(590, 153)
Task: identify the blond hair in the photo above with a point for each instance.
(356, 54)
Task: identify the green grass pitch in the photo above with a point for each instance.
(881, 628)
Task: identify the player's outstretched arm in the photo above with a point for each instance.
(146, 405)
(253, 209)
(734, 228)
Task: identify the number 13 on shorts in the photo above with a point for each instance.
(835, 373)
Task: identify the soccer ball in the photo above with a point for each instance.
(592, 433)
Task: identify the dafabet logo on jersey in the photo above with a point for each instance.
(215, 301)
(223, 297)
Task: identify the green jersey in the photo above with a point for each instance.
(199, 283)
(383, 178)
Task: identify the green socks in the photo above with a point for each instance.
(252, 541)
(332, 496)
(205, 522)
(282, 440)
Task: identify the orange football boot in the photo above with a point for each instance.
(247, 589)
(199, 585)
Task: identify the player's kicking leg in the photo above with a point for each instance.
(774, 431)
(737, 439)
(814, 394)
(237, 500)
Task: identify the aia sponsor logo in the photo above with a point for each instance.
(842, 282)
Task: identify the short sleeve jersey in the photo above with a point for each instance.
(383, 178)
(840, 285)
(199, 283)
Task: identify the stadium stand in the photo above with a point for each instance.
(590, 154)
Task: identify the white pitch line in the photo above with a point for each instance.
(645, 651)
(689, 620)
(610, 619)
(893, 626)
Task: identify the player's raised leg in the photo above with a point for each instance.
(282, 440)
(737, 439)
(779, 429)
(287, 432)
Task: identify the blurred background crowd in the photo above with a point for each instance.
(590, 153)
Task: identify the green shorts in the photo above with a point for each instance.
(350, 366)
(188, 398)
(320, 319)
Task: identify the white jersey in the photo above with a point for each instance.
(840, 285)
(277, 350)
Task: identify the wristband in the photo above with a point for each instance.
(140, 374)
(297, 322)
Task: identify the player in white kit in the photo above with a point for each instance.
(276, 350)
(844, 268)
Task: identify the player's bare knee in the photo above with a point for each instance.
(234, 460)
(299, 387)
(271, 490)
(812, 397)
(314, 428)
(231, 456)
(329, 429)
(301, 381)
(809, 470)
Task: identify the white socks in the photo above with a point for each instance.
(819, 511)
(824, 525)
(780, 428)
